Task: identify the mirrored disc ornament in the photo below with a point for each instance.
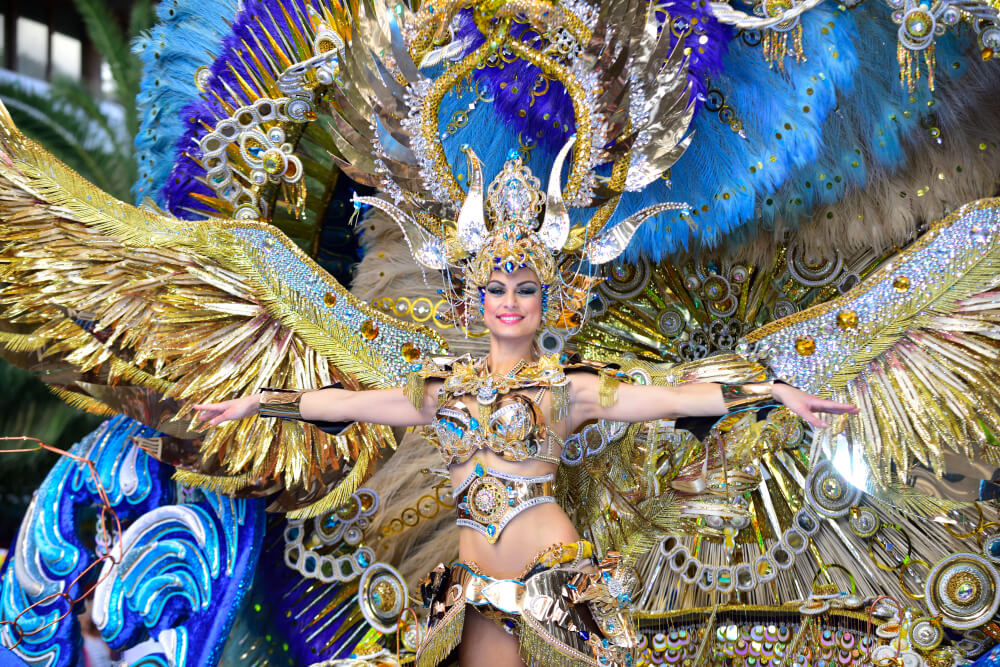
(925, 634)
(864, 522)
(829, 494)
(382, 596)
(991, 549)
(964, 589)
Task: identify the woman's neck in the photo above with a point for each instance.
(505, 355)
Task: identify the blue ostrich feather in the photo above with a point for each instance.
(722, 175)
(171, 52)
(208, 109)
(854, 134)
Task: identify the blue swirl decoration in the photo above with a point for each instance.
(178, 571)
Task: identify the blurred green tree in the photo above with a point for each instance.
(70, 122)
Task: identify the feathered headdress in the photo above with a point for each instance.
(629, 91)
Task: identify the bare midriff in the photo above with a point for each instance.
(530, 532)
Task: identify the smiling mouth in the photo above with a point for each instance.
(510, 318)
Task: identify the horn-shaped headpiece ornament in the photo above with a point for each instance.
(631, 104)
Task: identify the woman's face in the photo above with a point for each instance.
(512, 304)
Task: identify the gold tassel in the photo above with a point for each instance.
(560, 403)
(441, 640)
(414, 389)
(607, 390)
(485, 412)
(776, 46)
(539, 648)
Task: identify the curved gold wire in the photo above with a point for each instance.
(902, 581)
(827, 568)
(906, 559)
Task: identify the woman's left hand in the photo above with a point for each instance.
(807, 406)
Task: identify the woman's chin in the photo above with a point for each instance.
(512, 332)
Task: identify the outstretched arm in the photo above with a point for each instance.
(638, 403)
(374, 406)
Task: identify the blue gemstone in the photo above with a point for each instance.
(584, 635)
(363, 560)
(512, 154)
(508, 266)
(491, 529)
(474, 424)
(510, 502)
(416, 367)
(479, 470)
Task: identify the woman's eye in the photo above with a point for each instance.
(495, 291)
(527, 291)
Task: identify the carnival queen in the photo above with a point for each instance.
(526, 587)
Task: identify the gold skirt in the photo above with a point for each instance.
(566, 611)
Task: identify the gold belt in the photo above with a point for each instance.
(490, 499)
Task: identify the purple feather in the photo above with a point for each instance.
(184, 177)
(548, 117)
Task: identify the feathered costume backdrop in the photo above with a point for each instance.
(825, 142)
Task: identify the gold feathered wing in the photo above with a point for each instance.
(915, 347)
(619, 484)
(125, 310)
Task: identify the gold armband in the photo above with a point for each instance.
(737, 396)
(279, 403)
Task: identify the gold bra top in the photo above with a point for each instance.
(479, 410)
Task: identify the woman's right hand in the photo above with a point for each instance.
(237, 408)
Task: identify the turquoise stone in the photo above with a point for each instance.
(491, 529)
(474, 424)
(479, 470)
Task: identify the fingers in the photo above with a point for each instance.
(813, 419)
(833, 407)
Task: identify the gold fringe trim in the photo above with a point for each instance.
(443, 638)
(539, 648)
(82, 401)
(340, 493)
(485, 412)
(414, 389)
(214, 483)
(607, 390)
(560, 403)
